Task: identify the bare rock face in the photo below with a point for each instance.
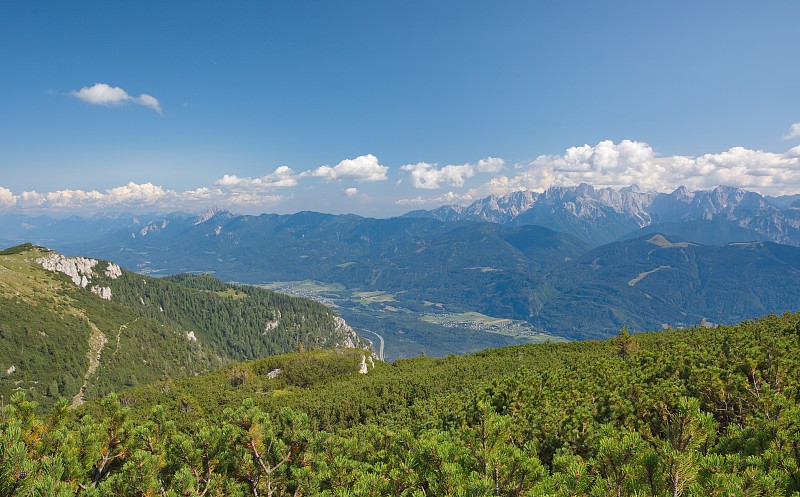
(271, 325)
(364, 369)
(81, 271)
(103, 292)
(113, 271)
(351, 339)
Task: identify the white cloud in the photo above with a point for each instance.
(605, 164)
(454, 197)
(130, 195)
(362, 168)
(7, 198)
(112, 96)
(133, 193)
(765, 172)
(148, 101)
(447, 198)
(135, 197)
(102, 94)
(411, 201)
(351, 192)
(608, 164)
(794, 132)
(282, 177)
(427, 176)
(490, 165)
(253, 200)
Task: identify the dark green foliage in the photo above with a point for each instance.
(238, 322)
(18, 249)
(681, 413)
(34, 338)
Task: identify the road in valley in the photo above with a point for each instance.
(380, 350)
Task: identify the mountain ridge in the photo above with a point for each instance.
(82, 327)
(602, 215)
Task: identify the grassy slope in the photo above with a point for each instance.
(60, 340)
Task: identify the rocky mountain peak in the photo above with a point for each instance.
(211, 213)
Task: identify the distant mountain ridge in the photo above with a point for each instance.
(602, 215)
(715, 259)
(552, 280)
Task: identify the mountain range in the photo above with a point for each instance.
(602, 215)
(598, 260)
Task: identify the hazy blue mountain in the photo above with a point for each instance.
(705, 232)
(785, 201)
(551, 280)
(464, 264)
(654, 281)
(507, 268)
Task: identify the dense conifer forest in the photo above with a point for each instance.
(677, 413)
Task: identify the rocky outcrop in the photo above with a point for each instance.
(81, 270)
(364, 369)
(271, 325)
(103, 292)
(350, 339)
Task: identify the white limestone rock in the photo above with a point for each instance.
(103, 292)
(364, 369)
(79, 269)
(271, 325)
(113, 271)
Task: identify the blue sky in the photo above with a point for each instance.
(377, 107)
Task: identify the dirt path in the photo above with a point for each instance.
(97, 340)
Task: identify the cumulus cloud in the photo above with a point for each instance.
(447, 198)
(362, 168)
(148, 101)
(617, 165)
(765, 172)
(282, 177)
(794, 132)
(490, 165)
(133, 193)
(112, 96)
(430, 177)
(145, 197)
(7, 198)
(351, 192)
(605, 164)
(253, 200)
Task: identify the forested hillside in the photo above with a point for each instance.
(101, 328)
(686, 412)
